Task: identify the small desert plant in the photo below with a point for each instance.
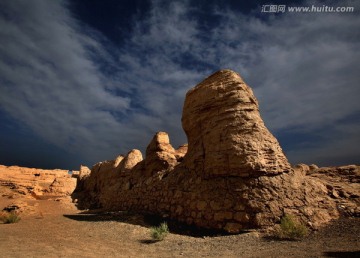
(160, 232)
(291, 229)
(9, 217)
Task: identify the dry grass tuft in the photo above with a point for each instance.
(160, 232)
(9, 217)
(291, 229)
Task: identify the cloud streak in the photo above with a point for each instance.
(79, 91)
(49, 82)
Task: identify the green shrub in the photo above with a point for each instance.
(9, 217)
(291, 229)
(160, 232)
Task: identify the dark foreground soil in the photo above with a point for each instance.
(57, 229)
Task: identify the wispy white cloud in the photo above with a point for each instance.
(48, 80)
(302, 68)
(308, 64)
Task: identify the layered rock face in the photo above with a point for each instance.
(32, 182)
(233, 176)
(226, 134)
(108, 179)
(27, 191)
(342, 184)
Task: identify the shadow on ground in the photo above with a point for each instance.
(342, 254)
(145, 220)
(148, 241)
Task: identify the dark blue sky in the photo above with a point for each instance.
(84, 81)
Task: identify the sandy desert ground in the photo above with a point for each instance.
(55, 228)
(51, 225)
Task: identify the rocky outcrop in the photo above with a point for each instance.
(130, 160)
(343, 186)
(84, 172)
(62, 186)
(226, 134)
(181, 152)
(108, 178)
(160, 155)
(36, 183)
(232, 174)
